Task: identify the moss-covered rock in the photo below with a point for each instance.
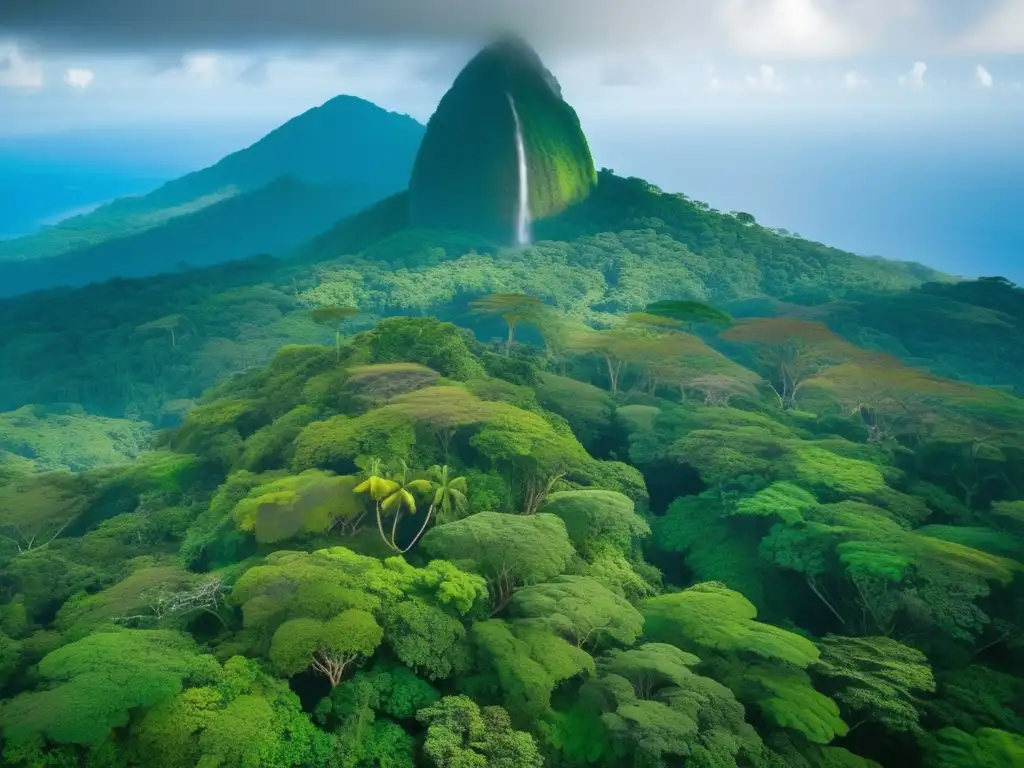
(466, 175)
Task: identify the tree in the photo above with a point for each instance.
(689, 312)
(985, 748)
(711, 618)
(334, 317)
(379, 383)
(442, 410)
(462, 735)
(684, 361)
(526, 661)
(534, 452)
(246, 717)
(581, 610)
(893, 399)
(651, 702)
(619, 347)
(790, 352)
(426, 638)
(170, 323)
(449, 499)
(329, 647)
(508, 550)
(596, 517)
(513, 308)
(877, 679)
(310, 502)
(36, 509)
(393, 494)
(762, 664)
(98, 681)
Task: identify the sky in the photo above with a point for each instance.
(703, 97)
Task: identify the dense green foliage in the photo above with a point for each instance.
(711, 496)
(387, 551)
(40, 438)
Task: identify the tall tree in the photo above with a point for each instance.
(513, 308)
(790, 352)
(334, 317)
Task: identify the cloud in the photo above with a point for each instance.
(757, 29)
(18, 72)
(982, 77)
(766, 80)
(204, 67)
(914, 79)
(78, 78)
(999, 31)
(255, 72)
(853, 80)
(785, 28)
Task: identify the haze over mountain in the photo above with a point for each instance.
(316, 168)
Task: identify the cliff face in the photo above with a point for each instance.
(466, 175)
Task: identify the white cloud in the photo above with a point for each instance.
(766, 80)
(204, 67)
(1001, 31)
(18, 72)
(982, 77)
(915, 77)
(853, 80)
(78, 78)
(791, 28)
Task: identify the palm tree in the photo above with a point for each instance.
(449, 495)
(449, 500)
(394, 494)
(380, 489)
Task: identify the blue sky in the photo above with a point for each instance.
(687, 92)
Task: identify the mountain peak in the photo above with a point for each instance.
(517, 57)
(502, 149)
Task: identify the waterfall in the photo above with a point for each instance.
(523, 205)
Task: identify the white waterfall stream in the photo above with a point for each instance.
(523, 204)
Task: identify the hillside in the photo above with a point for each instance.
(627, 246)
(40, 439)
(272, 219)
(346, 144)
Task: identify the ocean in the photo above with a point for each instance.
(950, 200)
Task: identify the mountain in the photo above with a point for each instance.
(271, 219)
(352, 150)
(503, 144)
(627, 245)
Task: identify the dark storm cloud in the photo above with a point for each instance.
(137, 25)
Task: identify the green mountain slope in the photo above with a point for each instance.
(35, 438)
(347, 143)
(467, 171)
(271, 219)
(627, 246)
